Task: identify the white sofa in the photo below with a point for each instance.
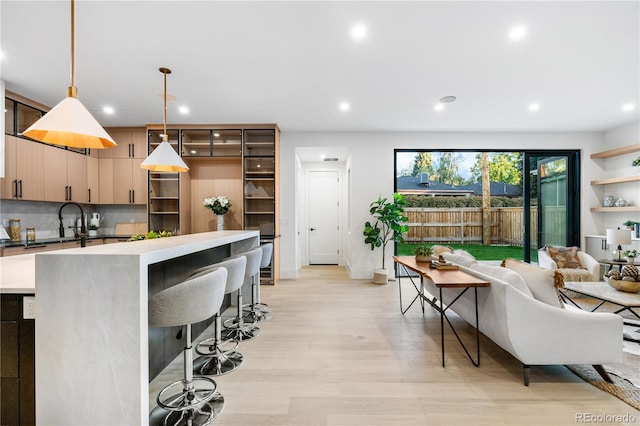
(590, 270)
(533, 331)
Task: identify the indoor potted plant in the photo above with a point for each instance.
(424, 253)
(388, 226)
(93, 230)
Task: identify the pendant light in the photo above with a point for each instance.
(69, 123)
(164, 158)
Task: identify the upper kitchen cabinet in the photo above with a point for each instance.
(155, 138)
(24, 170)
(66, 173)
(132, 143)
(211, 143)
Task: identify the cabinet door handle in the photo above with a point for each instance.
(89, 194)
(70, 193)
(66, 192)
(14, 187)
(20, 184)
(133, 196)
(603, 244)
(133, 150)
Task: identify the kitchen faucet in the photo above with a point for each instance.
(83, 228)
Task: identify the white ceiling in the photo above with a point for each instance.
(292, 63)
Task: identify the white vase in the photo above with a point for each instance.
(220, 222)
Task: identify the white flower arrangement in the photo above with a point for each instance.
(219, 204)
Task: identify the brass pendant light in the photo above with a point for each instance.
(164, 158)
(69, 123)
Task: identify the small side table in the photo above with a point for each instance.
(619, 264)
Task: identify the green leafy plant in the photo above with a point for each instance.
(92, 227)
(630, 223)
(389, 223)
(151, 235)
(423, 250)
(636, 162)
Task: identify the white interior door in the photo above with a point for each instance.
(323, 217)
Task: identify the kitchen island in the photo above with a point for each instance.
(92, 335)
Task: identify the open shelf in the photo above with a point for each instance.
(613, 180)
(617, 151)
(616, 209)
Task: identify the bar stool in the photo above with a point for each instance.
(215, 359)
(237, 328)
(191, 400)
(257, 311)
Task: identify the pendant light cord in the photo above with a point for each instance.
(165, 136)
(73, 92)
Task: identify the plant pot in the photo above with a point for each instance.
(421, 258)
(380, 276)
(93, 232)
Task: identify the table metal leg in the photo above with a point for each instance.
(419, 291)
(443, 317)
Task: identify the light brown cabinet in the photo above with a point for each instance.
(66, 173)
(131, 143)
(24, 173)
(93, 180)
(129, 182)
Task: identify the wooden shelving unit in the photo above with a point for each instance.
(624, 150)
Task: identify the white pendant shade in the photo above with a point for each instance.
(3, 234)
(70, 124)
(164, 159)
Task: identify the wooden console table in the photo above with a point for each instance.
(442, 279)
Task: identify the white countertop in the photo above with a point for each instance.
(17, 273)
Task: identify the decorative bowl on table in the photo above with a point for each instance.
(623, 285)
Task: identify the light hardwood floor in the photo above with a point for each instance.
(338, 352)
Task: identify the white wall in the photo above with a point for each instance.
(372, 174)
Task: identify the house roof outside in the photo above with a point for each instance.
(411, 185)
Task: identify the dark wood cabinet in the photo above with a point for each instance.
(17, 363)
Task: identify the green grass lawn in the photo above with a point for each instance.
(480, 252)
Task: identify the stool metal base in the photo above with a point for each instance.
(240, 333)
(256, 312)
(203, 414)
(217, 362)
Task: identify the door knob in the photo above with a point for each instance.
(312, 229)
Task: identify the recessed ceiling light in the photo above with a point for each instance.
(108, 110)
(628, 107)
(344, 106)
(439, 106)
(216, 135)
(534, 107)
(448, 99)
(358, 32)
(517, 33)
(193, 151)
(183, 110)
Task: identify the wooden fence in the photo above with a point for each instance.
(464, 225)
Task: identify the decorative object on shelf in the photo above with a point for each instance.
(608, 201)
(164, 158)
(220, 205)
(69, 123)
(31, 235)
(424, 253)
(621, 202)
(618, 237)
(389, 226)
(636, 162)
(631, 255)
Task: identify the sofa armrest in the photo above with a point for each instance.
(544, 334)
(545, 261)
(590, 264)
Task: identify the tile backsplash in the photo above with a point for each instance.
(43, 216)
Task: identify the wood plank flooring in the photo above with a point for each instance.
(338, 352)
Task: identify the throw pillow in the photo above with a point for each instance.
(438, 250)
(543, 283)
(503, 274)
(565, 257)
(459, 259)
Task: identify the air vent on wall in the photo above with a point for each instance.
(331, 159)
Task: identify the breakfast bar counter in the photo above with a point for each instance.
(92, 335)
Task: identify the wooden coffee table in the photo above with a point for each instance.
(605, 293)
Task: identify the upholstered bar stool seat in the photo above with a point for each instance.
(257, 311)
(191, 400)
(217, 356)
(237, 328)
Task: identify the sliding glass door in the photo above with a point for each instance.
(552, 214)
